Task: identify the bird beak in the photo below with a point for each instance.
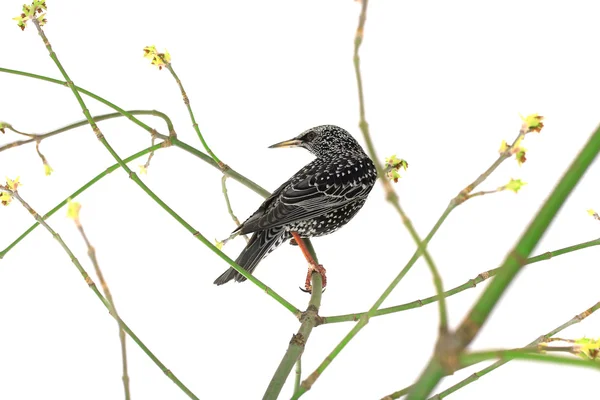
(287, 143)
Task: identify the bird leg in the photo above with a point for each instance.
(313, 266)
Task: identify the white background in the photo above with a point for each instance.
(444, 84)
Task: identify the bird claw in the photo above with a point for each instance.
(309, 290)
(318, 268)
(293, 242)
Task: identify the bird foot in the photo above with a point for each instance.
(293, 242)
(318, 268)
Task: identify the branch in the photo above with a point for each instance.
(228, 203)
(298, 378)
(133, 176)
(172, 136)
(98, 118)
(391, 195)
(186, 101)
(524, 354)
(112, 309)
(517, 257)
(575, 320)
(295, 349)
(457, 200)
(471, 283)
(230, 172)
(93, 287)
(77, 193)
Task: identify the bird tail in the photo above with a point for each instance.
(261, 243)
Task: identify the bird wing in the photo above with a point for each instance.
(315, 190)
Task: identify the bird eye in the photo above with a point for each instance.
(309, 137)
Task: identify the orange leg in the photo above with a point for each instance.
(312, 264)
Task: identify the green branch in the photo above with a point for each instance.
(309, 320)
(523, 354)
(391, 194)
(172, 137)
(517, 257)
(98, 118)
(133, 176)
(575, 320)
(112, 308)
(228, 204)
(104, 301)
(186, 101)
(471, 283)
(77, 193)
(298, 377)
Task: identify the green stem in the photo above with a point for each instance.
(230, 172)
(77, 193)
(112, 308)
(298, 378)
(391, 194)
(133, 176)
(228, 204)
(98, 118)
(517, 257)
(467, 285)
(104, 301)
(363, 320)
(521, 354)
(174, 141)
(186, 101)
(475, 376)
(296, 347)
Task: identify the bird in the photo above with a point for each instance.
(317, 200)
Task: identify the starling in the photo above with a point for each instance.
(318, 200)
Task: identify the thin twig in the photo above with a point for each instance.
(525, 354)
(575, 320)
(391, 195)
(516, 258)
(471, 283)
(111, 303)
(40, 137)
(186, 101)
(133, 176)
(172, 139)
(460, 198)
(43, 158)
(77, 193)
(93, 287)
(228, 203)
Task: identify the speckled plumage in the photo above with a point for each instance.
(318, 200)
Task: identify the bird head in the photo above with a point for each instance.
(324, 141)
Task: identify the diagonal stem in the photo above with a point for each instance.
(77, 193)
(133, 176)
(309, 319)
(228, 204)
(471, 283)
(172, 138)
(517, 257)
(391, 195)
(112, 309)
(97, 118)
(575, 320)
(104, 301)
